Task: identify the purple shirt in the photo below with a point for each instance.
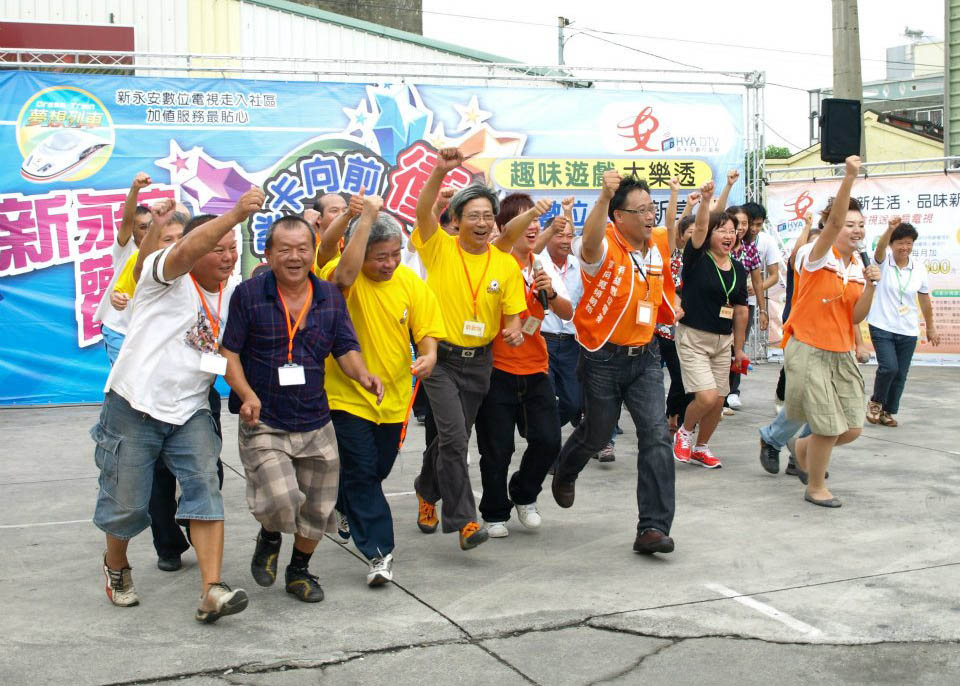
(748, 256)
(257, 331)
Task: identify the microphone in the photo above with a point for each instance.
(864, 257)
(541, 295)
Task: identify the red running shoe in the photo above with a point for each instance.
(702, 456)
(681, 445)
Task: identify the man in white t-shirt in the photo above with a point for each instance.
(770, 258)
(156, 405)
(133, 225)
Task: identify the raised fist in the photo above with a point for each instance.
(249, 202)
(611, 182)
(449, 159)
(141, 180)
(542, 206)
(852, 165)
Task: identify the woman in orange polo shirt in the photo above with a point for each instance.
(824, 384)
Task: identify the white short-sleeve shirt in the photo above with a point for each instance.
(898, 289)
(158, 369)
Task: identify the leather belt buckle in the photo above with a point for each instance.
(469, 352)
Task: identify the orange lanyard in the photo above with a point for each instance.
(844, 278)
(403, 429)
(473, 291)
(293, 328)
(214, 323)
(528, 287)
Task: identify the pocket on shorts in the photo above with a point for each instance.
(106, 454)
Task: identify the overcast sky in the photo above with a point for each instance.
(765, 28)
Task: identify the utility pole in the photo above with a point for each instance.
(847, 79)
(562, 23)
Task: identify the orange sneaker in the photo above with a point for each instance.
(426, 516)
(472, 535)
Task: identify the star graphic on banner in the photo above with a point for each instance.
(438, 137)
(402, 119)
(471, 115)
(177, 162)
(359, 118)
(210, 182)
(487, 145)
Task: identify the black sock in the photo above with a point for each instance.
(271, 536)
(300, 560)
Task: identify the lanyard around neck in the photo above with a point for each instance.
(723, 285)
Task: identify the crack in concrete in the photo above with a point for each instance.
(636, 665)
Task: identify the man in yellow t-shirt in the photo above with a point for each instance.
(476, 284)
(388, 303)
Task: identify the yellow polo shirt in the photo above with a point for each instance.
(384, 314)
(498, 284)
(125, 283)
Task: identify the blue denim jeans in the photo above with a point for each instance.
(128, 445)
(564, 354)
(782, 429)
(111, 341)
(611, 378)
(894, 354)
(367, 453)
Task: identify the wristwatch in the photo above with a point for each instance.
(553, 297)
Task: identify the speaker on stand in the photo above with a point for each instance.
(841, 125)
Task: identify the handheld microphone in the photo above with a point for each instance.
(541, 295)
(864, 257)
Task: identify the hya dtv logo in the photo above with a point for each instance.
(640, 132)
(798, 207)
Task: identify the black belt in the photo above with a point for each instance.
(628, 350)
(556, 336)
(452, 350)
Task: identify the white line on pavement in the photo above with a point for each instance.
(24, 526)
(765, 609)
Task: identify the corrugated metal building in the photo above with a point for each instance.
(267, 39)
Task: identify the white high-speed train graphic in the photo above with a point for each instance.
(59, 154)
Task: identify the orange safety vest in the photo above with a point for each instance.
(666, 314)
(607, 310)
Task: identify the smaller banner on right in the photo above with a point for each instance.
(931, 202)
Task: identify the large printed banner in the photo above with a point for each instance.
(931, 202)
(73, 144)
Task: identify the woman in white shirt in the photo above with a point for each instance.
(893, 320)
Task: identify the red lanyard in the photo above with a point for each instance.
(293, 328)
(214, 323)
(473, 291)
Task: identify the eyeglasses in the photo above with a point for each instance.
(725, 232)
(479, 217)
(640, 210)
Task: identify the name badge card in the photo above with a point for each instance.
(644, 312)
(531, 325)
(291, 375)
(902, 310)
(213, 363)
(473, 328)
(726, 312)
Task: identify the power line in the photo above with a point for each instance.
(781, 136)
(631, 35)
(642, 52)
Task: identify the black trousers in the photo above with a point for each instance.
(526, 401)
(677, 398)
(168, 538)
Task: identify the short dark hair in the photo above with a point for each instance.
(627, 185)
(445, 218)
(685, 223)
(288, 221)
(905, 230)
(754, 211)
(853, 206)
(141, 210)
(197, 221)
(511, 206)
(318, 204)
(717, 218)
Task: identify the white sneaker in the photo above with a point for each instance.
(733, 401)
(381, 570)
(219, 601)
(119, 587)
(497, 529)
(727, 412)
(342, 534)
(529, 516)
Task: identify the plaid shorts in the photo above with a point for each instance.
(292, 477)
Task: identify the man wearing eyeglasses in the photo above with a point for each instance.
(622, 269)
(481, 294)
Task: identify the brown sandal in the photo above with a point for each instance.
(887, 419)
(874, 410)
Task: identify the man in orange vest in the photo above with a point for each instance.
(624, 289)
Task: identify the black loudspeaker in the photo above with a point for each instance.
(840, 128)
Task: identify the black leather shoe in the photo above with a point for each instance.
(563, 493)
(650, 541)
(769, 457)
(263, 566)
(169, 564)
(303, 585)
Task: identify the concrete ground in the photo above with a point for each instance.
(762, 588)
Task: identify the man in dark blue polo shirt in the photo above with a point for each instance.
(282, 325)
